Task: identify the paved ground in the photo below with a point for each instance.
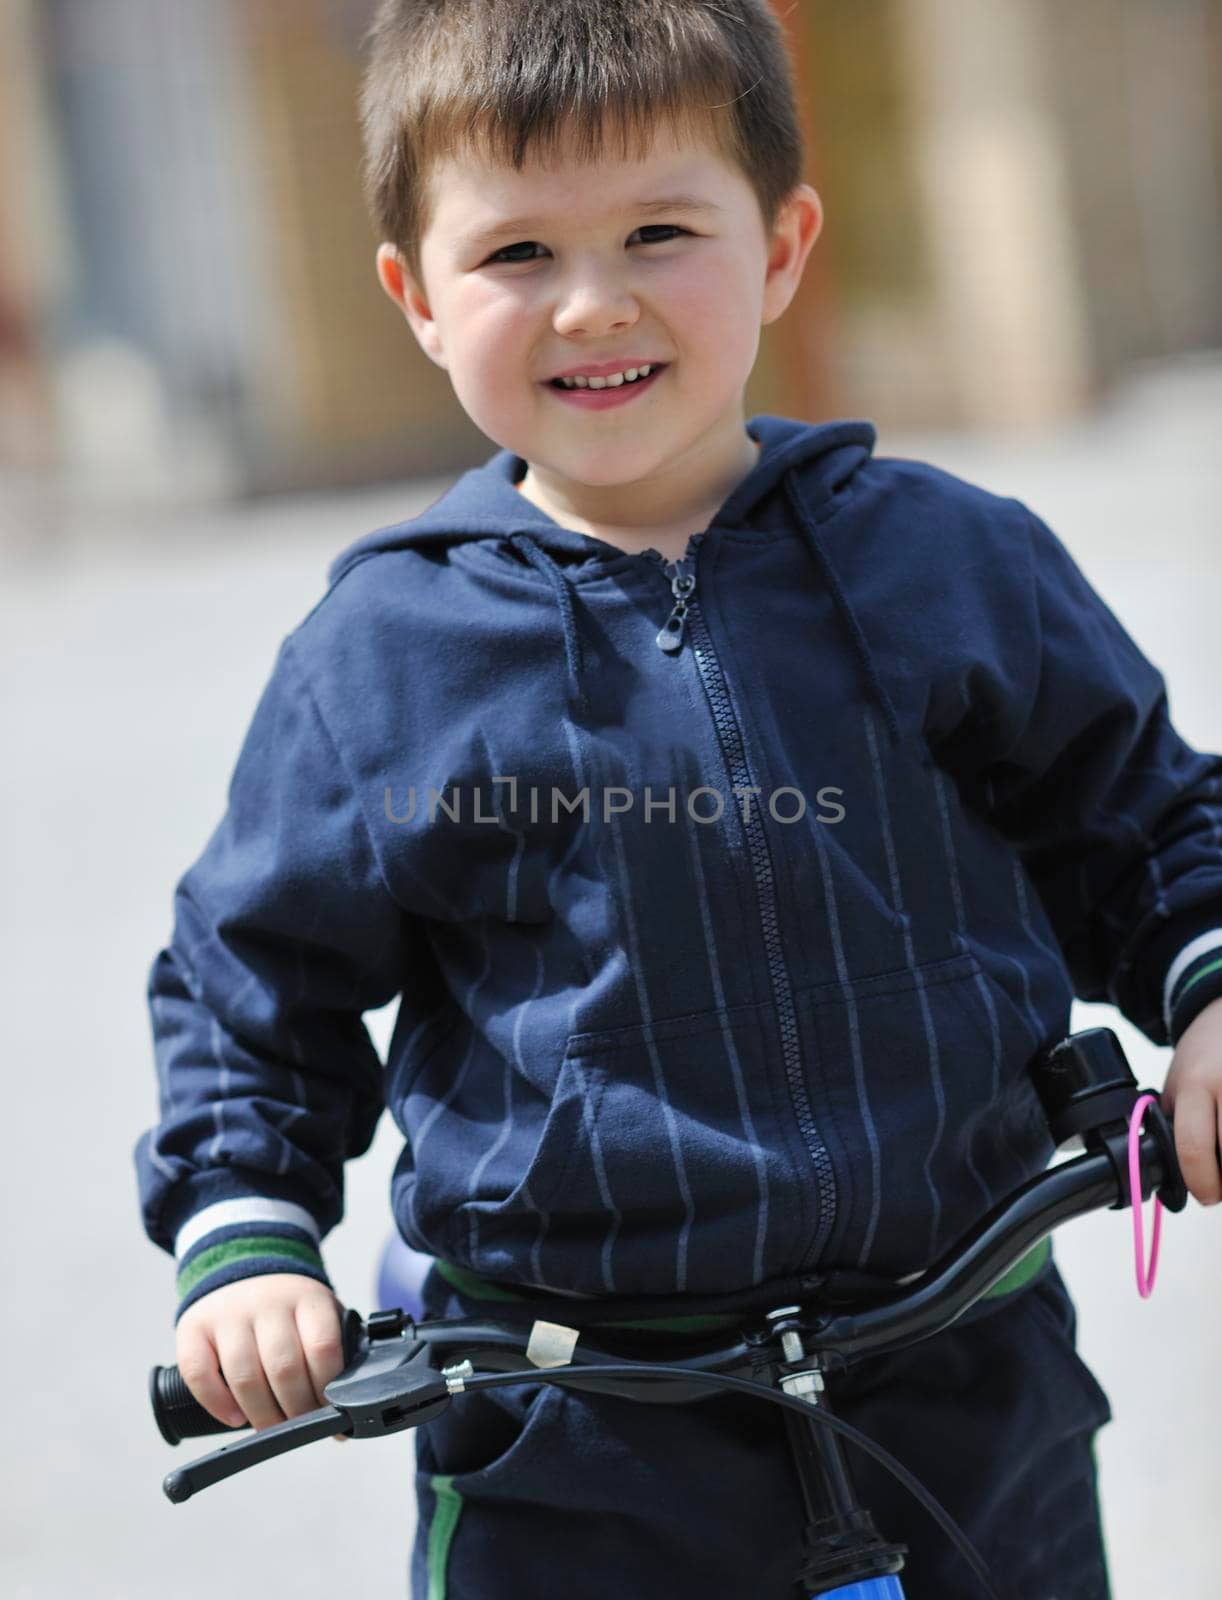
(133, 658)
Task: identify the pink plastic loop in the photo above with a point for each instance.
(1145, 1275)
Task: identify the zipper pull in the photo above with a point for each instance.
(670, 637)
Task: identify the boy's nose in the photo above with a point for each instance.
(595, 303)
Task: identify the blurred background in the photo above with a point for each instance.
(204, 396)
(1022, 201)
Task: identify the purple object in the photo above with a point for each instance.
(401, 1273)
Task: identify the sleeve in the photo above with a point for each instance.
(284, 934)
(1068, 745)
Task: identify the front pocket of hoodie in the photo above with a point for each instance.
(920, 1084)
(659, 1168)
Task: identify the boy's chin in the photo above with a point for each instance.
(601, 469)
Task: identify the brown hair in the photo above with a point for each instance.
(502, 76)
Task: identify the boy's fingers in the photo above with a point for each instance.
(242, 1370)
(200, 1371)
(322, 1340)
(1197, 1119)
(284, 1364)
(318, 1328)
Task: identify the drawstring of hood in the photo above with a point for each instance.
(562, 590)
(525, 545)
(861, 647)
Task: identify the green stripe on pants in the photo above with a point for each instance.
(445, 1519)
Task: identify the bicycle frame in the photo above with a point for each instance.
(400, 1373)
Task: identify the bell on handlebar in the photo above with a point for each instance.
(1083, 1083)
(1087, 1087)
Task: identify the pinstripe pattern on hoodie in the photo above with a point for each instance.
(688, 1051)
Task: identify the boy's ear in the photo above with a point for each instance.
(397, 281)
(798, 225)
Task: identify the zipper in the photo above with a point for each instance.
(682, 583)
(687, 615)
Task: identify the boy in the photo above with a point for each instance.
(736, 814)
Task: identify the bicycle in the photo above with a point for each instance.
(400, 1372)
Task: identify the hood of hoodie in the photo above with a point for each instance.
(485, 504)
(813, 463)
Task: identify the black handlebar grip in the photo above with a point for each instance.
(178, 1413)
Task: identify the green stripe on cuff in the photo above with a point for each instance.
(1201, 972)
(231, 1250)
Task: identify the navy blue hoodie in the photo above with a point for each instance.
(728, 900)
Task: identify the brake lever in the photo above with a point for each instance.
(183, 1482)
(390, 1384)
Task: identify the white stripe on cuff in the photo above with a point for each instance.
(226, 1212)
(1200, 946)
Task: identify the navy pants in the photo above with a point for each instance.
(538, 1493)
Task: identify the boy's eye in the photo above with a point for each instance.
(505, 254)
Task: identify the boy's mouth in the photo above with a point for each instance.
(600, 399)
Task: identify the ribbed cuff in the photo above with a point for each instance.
(1194, 979)
(244, 1238)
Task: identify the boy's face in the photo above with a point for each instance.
(582, 268)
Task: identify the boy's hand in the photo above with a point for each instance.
(262, 1349)
(1193, 1091)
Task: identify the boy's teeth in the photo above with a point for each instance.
(613, 381)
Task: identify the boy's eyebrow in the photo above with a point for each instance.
(677, 202)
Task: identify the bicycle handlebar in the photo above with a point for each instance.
(389, 1383)
(395, 1377)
